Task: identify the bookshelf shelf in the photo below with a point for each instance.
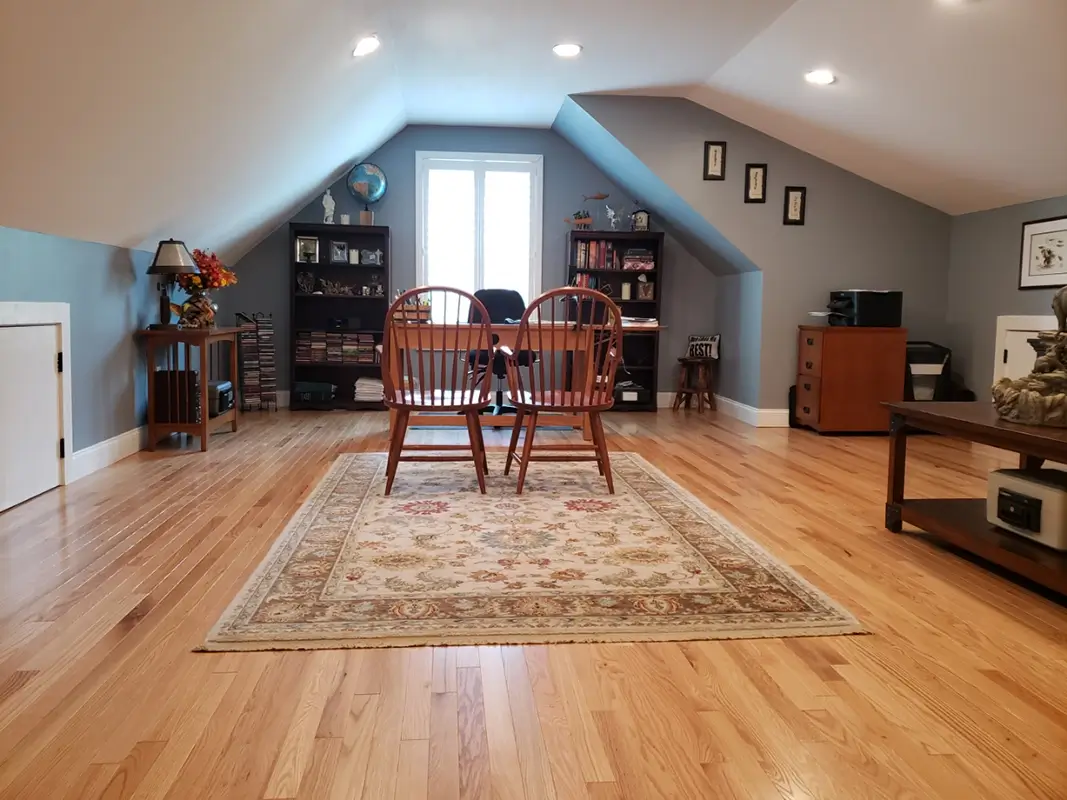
(589, 253)
(333, 326)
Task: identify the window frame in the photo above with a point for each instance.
(532, 163)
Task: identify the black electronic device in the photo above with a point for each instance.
(866, 308)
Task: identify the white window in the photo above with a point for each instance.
(478, 217)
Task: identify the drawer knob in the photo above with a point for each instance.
(811, 342)
(807, 387)
(807, 410)
(808, 364)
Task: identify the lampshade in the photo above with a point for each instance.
(172, 258)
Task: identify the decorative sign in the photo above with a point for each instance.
(755, 183)
(714, 161)
(796, 204)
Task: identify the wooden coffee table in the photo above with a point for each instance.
(962, 522)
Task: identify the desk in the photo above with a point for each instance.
(962, 522)
(184, 361)
(506, 335)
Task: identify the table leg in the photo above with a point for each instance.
(898, 450)
(150, 368)
(1030, 462)
(205, 376)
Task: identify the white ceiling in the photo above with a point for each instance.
(124, 121)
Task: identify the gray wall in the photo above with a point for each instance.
(688, 291)
(110, 297)
(858, 234)
(983, 283)
(739, 310)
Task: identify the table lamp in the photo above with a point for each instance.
(171, 260)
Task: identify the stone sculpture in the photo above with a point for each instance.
(1041, 397)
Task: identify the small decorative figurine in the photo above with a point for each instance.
(305, 281)
(613, 218)
(328, 206)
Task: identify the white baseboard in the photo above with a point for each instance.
(750, 415)
(103, 454)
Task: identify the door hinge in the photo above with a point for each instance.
(1005, 355)
(62, 448)
(59, 361)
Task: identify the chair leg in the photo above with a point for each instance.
(481, 442)
(601, 443)
(396, 444)
(473, 428)
(527, 449)
(516, 428)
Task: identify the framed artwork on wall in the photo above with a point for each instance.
(714, 161)
(755, 183)
(796, 205)
(1043, 260)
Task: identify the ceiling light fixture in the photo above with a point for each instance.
(567, 50)
(366, 46)
(820, 77)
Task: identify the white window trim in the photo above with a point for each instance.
(532, 163)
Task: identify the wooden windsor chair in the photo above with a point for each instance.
(576, 336)
(428, 336)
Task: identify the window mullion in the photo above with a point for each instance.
(479, 227)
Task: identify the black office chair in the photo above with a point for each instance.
(505, 306)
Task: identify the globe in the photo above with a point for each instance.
(367, 183)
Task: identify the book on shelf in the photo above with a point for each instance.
(640, 322)
(598, 254)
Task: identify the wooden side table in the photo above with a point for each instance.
(181, 365)
(696, 376)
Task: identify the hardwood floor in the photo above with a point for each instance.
(105, 588)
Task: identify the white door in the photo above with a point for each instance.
(30, 410)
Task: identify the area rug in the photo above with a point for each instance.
(437, 563)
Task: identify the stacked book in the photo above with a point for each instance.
(638, 258)
(358, 348)
(259, 375)
(268, 371)
(640, 322)
(334, 347)
(368, 390)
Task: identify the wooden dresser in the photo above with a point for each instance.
(845, 374)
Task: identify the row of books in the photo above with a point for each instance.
(335, 347)
(609, 255)
(259, 373)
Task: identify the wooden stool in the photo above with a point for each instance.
(696, 377)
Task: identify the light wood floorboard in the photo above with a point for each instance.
(106, 587)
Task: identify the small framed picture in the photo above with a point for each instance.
(714, 161)
(646, 291)
(796, 205)
(307, 250)
(755, 183)
(641, 220)
(1043, 261)
(338, 252)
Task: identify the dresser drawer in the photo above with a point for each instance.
(809, 353)
(808, 391)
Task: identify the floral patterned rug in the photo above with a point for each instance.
(437, 563)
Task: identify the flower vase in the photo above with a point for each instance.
(198, 311)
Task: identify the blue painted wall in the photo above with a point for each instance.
(110, 297)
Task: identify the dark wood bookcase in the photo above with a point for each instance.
(332, 336)
(597, 259)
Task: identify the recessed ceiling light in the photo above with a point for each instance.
(567, 50)
(366, 46)
(820, 77)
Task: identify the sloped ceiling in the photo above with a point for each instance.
(124, 121)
